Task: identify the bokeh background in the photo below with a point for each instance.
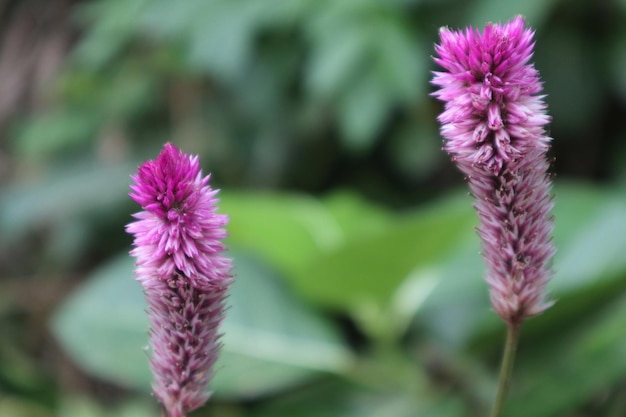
(359, 287)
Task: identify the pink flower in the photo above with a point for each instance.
(185, 276)
(493, 114)
(493, 126)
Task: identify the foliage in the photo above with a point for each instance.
(274, 343)
(359, 285)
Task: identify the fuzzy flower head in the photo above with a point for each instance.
(493, 113)
(184, 274)
(493, 125)
(179, 230)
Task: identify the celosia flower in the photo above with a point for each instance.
(493, 126)
(184, 274)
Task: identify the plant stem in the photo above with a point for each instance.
(506, 369)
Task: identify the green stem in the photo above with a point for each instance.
(506, 369)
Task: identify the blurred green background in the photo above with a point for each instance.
(359, 287)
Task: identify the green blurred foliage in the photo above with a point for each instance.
(359, 285)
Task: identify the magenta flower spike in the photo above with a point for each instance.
(493, 125)
(184, 273)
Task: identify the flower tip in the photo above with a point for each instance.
(169, 146)
(170, 153)
(519, 19)
(445, 32)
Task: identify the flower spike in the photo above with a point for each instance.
(184, 274)
(494, 129)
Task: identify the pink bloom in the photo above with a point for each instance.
(494, 129)
(493, 114)
(183, 271)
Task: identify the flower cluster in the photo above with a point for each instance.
(184, 274)
(493, 126)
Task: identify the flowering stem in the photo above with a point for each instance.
(506, 368)
(185, 275)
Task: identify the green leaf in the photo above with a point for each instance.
(287, 230)
(459, 306)
(56, 130)
(300, 226)
(223, 45)
(64, 193)
(362, 110)
(402, 63)
(590, 234)
(355, 216)
(304, 231)
(365, 60)
(112, 25)
(583, 362)
(335, 59)
(103, 327)
(270, 341)
(367, 270)
(217, 35)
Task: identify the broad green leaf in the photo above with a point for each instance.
(367, 270)
(62, 195)
(293, 231)
(459, 305)
(355, 216)
(104, 328)
(270, 340)
(582, 363)
(590, 235)
(288, 230)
